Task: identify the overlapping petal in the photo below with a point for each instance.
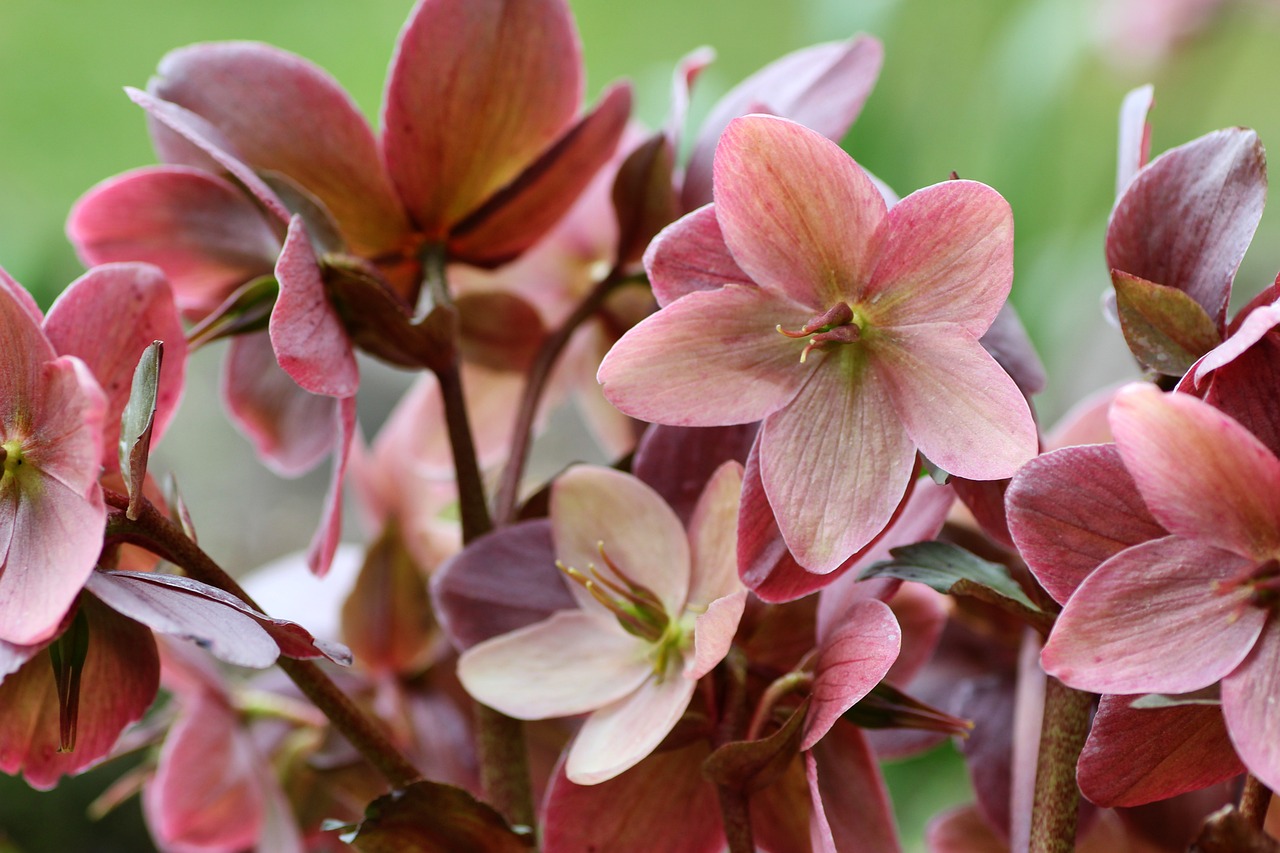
(1249, 705)
(690, 255)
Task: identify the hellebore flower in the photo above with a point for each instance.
(851, 330)
(657, 609)
(1179, 613)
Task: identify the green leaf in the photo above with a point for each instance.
(951, 569)
(1165, 328)
(137, 422)
(428, 817)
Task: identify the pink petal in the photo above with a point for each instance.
(324, 542)
(851, 805)
(678, 461)
(670, 807)
(136, 300)
(569, 664)
(709, 359)
(519, 214)
(26, 304)
(852, 660)
(1135, 135)
(1151, 619)
(291, 429)
(1062, 541)
(800, 217)
(118, 684)
(13, 656)
(963, 830)
(1008, 343)
(713, 538)
(835, 465)
(690, 255)
(1202, 474)
(822, 87)
(946, 257)
(206, 234)
(1257, 323)
(959, 407)
(713, 633)
(1135, 756)
(640, 534)
(283, 114)
(477, 89)
(618, 736)
(1187, 218)
(1249, 697)
(306, 333)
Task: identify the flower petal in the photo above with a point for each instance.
(1202, 474)
(569, 664)
(618, 736)
(851, 804)
(946, 257)
(800, 217)
(324, 542)
(713, 538)
(690, 255)
(835, 465)
(1249, 697)
(853, 658)
(1151, 620)
(477, 89)
(1135, 135)
(593, 507)
(959, 406)
(713, 633)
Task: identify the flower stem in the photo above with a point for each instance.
(1057, 797)
(735, 809)
(1255, 799)
(544, 362)
(153, 531)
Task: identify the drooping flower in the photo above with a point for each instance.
(657, 609)
(1181, 612)
(851, 331)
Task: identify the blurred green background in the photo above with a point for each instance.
(1021, 94)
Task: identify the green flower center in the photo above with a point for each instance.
(11, 457)
(636, 607)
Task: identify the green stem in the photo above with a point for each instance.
(158, 534)
(539, 375)
(1057, 797)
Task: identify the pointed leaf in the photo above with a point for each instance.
(137, 422)
(428, 817)
(387, 619)
(644, 199)
(1165, 328)
(949, 568)
(750, 765)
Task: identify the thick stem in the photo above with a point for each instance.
(735, 807)
(544, 362)
(1255, 799)
(155, 532)
(1057, 797)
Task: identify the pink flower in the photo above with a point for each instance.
(1181, 612)
(850, 330)
(657, 609)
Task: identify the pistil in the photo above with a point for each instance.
(838, 325)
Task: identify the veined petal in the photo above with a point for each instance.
(713, 633)
(946, 257)
(854, 657)
(709, 359)
(800, 217)
(851, 804)
(593, 506)
(572, 663)
(958, 405)
(835, 464)
(1249, 697)
(1202, 474)
(690, 255)
(284, 114)
(1155, 618)
(477, 89)
(618, 736)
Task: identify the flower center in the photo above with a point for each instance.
(636, 607)
(840, 324)
(11, 457)
(1263, 582)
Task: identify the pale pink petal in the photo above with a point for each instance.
(1249, 699)
(307, 335)
(946, 257)
(207, 235)
(284, 114)
(958, 405)
(477, 89)
(678, 461)
(13, 656)
(593, 507)
(618, 736)
(853, 658)
(835, 465)
(690, 255)
(713, 538)
(851, 808)
(135, 299)
(518, 215)
(822, 87)
(1155, 618)
(569, 664)
(1062, 541)
(713, 633)
(291, 429)
(1085, 422)
(1008, 343)
(1135, 135)
(324, 542)
(800, 217)
(26, 304)
(1202, 474)
(709, 359)
(1257, 323)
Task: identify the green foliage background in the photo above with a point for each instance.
(1015, 93)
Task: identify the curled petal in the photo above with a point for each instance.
(854, 657)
